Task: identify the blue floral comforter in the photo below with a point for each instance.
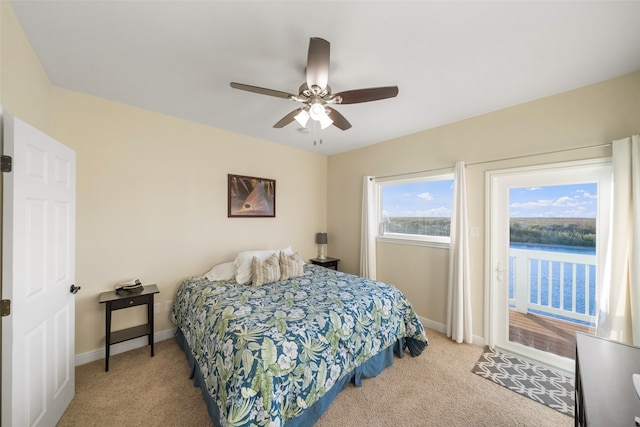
(269, 352)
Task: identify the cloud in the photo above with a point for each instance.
(565, 201)
(425, 195)
(587, 195)
(571, 202)
(533, 204)
(427, 213)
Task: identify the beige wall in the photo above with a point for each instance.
(152, 189)
(152, 201)
(584, 117)
(25, 90)
(151, 197)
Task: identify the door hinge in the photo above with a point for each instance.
(5, 163)
(5, 307)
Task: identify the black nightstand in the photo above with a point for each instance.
(327, 262)
(117, 301)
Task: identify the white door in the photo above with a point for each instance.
(38, 269)
(541, 293)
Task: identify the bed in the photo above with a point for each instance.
(281, 352)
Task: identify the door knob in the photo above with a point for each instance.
(499, 270)
(74, 289)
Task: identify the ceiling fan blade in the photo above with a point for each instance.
(366, 95)
(318, 63)
(338, 119)
(287, 119)
(262, 91)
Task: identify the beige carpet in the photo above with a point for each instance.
(435, 389)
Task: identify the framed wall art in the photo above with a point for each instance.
(250, 196)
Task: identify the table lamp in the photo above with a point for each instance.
(321, 240)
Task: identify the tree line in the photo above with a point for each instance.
(546, 231)
(564, 232)
(418, 225)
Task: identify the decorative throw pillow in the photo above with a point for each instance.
(291, 266)
(244, 262)
(266, 271)
(225, 271)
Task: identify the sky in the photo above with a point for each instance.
(422, 199)
(435, 199)
(557, 201)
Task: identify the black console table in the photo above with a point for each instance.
(124, 299)
(605, 395)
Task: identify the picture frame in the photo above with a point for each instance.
(251, 197)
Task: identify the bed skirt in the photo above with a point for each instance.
(309, 416)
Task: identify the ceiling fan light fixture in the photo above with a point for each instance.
(302, 117)
(316, 111)
(325, 122)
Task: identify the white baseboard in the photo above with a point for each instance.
(478, 341)
(432, 324)
(442, 328)
(94, 355)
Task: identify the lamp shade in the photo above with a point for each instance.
(325, 122)
(321, 238)
(302, 117)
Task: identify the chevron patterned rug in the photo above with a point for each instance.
(543, 385)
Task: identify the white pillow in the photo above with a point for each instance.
(243, 262)
(225, 271)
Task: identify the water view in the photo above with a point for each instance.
(564, 277)
(552, 235)
(552, 264)
(553, 244)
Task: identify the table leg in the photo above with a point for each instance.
(150, 320)
(107, 337)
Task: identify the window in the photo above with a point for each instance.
(417, 210)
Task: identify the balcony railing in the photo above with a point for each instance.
(558, 284)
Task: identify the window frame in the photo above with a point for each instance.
(410, 239)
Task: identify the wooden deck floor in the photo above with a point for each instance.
(545, 333)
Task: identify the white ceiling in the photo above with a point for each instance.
(451, 59)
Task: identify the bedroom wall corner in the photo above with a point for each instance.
(152, 202)
(588, 116)
(25, 90)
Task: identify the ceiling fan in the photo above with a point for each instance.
(316, 94)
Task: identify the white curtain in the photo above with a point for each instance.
(368, 230)
(459, 300)
(619, 299)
